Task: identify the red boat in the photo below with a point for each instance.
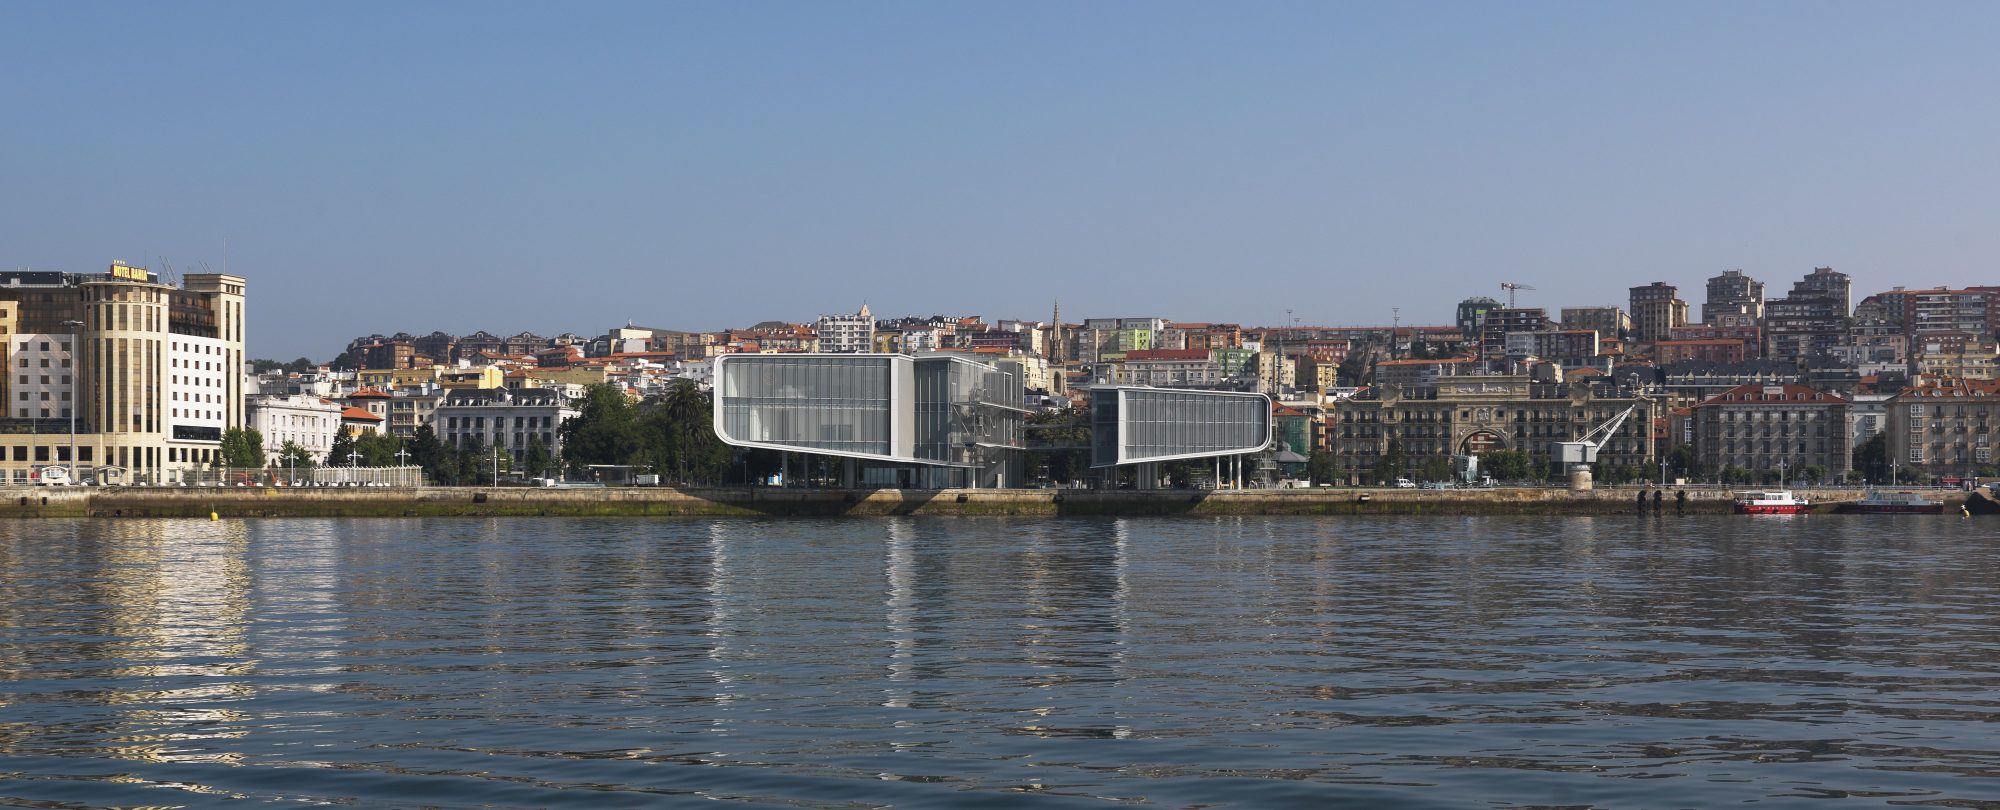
(1775, 502)
(1898, 503)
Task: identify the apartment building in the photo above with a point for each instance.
(151, 372)
(1656, 309)
(1784, 427)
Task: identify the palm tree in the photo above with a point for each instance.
(688, 413)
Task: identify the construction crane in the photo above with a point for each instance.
(1582, 453)
(1510, 287)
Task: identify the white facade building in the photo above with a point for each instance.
(847, 334)
(198, 373)
(43, 374)
(497, 417)
(308, 421)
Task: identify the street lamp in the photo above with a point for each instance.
(75, 327)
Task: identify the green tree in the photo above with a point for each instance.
(1067, 429)
(606, 430)
(378, 449)
(681, 436)
(292, 456)
(1390, 467)
(1682, 462)
(1872, 457)
(439, 462)
(242, 448)
(1437, 469)
(537, 461)
(1323, 468)
(340, 455)
(1506, 465)
(1814, 473)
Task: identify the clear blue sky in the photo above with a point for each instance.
(388, 166)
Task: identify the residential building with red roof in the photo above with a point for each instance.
(1782, 428)
(1944, 426)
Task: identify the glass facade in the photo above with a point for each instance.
(918, 414)
(1135, 425)
(963, 406)
(840, 404)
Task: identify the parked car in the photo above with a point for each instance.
(1405, 483)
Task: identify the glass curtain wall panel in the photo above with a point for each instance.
(1132, 425)
(825, 403)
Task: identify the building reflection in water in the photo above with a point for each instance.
(1075, 628)
(177, 602)
(723, 616)
(899, 610)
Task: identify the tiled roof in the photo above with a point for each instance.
(368, 393)
(1166, 354)
(1787, 392)
(1952, 387)
(351, 412)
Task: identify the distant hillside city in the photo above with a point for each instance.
(132, 376)
(1808, 386)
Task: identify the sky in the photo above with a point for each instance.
(383, 167)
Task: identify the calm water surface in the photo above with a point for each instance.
(1243, 662)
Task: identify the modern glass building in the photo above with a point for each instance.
(1132, 425)
(925, 422)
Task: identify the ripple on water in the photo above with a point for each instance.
(1244, 662)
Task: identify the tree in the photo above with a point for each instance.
(292, 456)
(1506, 465)
(686, 428)
(440, 464)
(342, 452)
(605, 430)
(1682, 462)
(1437, 468)
(1390, 467)
(1067, 428)
(1323, 467)
(378, 449)
(242, 448)
(537, 461)
(1814, 473)
(1872, 457)
(471, 467)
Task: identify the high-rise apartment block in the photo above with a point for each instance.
(1472, 316)
(1610, 323)
(1656, 309)
(151, 373)
(847, 334)
(1812, 319)
(1734, 299)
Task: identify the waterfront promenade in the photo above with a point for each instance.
(760, 501)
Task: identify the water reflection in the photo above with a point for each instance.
(1607, 660)
(144, 631)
